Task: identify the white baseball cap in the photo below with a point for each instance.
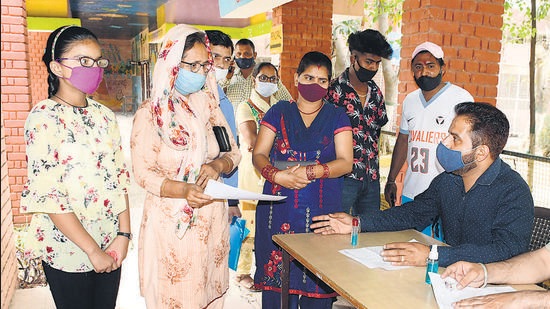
(430, 47)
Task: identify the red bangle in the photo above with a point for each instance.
(310, 173)
(269, 172)
(326, 171)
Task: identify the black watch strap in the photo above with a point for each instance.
(128, 235)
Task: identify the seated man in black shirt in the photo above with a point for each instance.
(486, 207)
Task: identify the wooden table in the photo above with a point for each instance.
(361, 286)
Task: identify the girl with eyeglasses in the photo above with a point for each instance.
(77, 179)
(249, 115)
(184, 236)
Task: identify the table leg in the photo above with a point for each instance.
(285, 280)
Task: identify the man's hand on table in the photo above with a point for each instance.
(466, 274)
(336, 223)
(406, 253)
(398, 253)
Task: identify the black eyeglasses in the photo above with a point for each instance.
(88, 62)
(195, 66)
(271, 79)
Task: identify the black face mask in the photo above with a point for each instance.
(427, 83)
(244, 63)
(363, 74)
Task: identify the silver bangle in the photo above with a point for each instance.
(484, 275)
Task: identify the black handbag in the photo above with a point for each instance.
(222, 138)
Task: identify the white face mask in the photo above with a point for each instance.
(266, 89)
(220, 73)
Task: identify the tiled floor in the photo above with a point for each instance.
(129, 297)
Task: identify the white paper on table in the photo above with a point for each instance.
(218, 190)
(370, 257)
(446, 293)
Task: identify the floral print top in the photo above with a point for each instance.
(75, 163)
(366, 122)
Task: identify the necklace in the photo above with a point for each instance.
(70, 103)
(313, 112)
(361, 95)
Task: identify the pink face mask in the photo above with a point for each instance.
(311, 92)
(85, 79)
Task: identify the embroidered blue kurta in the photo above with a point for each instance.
(295, 142)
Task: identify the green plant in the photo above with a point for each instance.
(517, 26)
(345, 28)
(390, 9)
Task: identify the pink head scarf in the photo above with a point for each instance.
(163, 95)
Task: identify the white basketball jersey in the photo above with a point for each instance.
(426, 124)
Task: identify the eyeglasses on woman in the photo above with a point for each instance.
(196, 66)
(88, 62)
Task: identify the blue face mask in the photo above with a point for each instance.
(450, 160)
(188, 82)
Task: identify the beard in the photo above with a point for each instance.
(470, 164)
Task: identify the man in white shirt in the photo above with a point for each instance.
(425, 120)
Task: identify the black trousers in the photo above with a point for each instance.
(89, 290)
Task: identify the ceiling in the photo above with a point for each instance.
(110, 19)
(124, 19)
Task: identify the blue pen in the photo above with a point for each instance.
(354, 231)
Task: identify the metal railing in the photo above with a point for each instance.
(536, 172)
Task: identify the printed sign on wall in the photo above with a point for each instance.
(276, 44)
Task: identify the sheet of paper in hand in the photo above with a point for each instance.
(218, 190)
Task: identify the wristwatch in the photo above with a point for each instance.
(128, 235)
